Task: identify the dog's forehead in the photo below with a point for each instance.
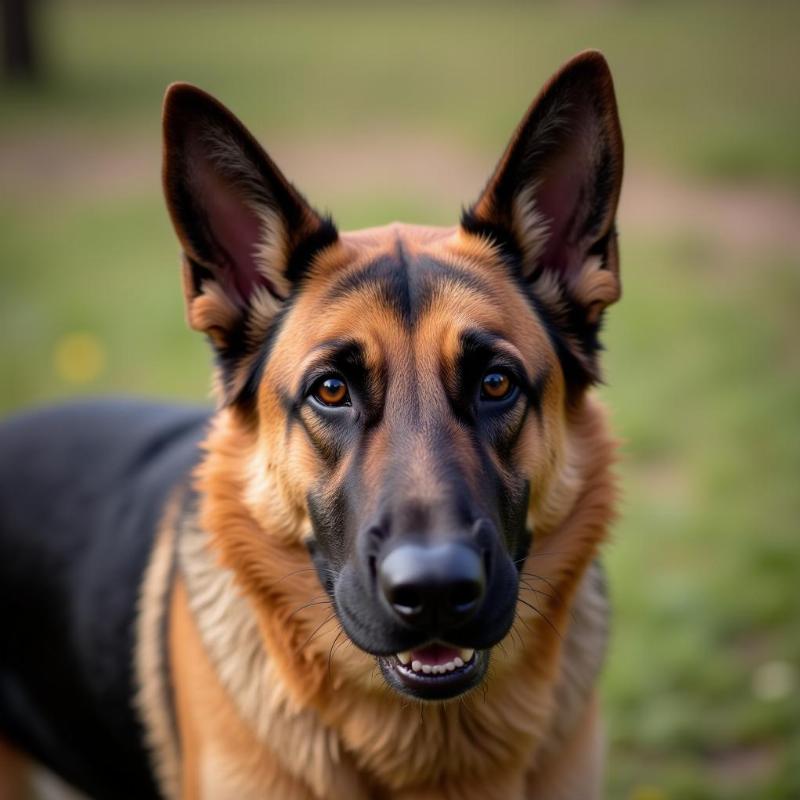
(405, 286)
(410, 270)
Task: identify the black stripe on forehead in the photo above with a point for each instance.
(407, 285)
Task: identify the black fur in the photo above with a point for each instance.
(82, 490)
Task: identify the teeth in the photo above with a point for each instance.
(437, 669)
(464, 657)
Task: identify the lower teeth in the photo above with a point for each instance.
(416, 665)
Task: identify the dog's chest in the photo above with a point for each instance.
(349, 757)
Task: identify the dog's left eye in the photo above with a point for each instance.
(331, 390)
(496, 385)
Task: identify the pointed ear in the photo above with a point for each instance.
(552, 200)
(247, 234)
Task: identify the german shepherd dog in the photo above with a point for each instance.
(372, 572)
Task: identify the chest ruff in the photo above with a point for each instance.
(340, 741)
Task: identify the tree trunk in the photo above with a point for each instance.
(19, 51)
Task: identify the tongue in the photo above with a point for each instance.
(435, 654)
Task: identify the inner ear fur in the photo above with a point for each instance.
(248, 236)
(551, 205)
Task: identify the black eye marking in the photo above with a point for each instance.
(336, 377)
(489, 379)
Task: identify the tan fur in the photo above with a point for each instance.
(153, 700)
(529, 224)
(576, 771)
(221, 756)
(211, 311)
(228, 628)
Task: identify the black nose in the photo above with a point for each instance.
(433, 587)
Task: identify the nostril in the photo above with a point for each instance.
(373, 568)
(407, 600)
(378, 534)
(464, 595)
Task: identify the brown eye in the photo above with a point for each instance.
(496, 385)
(331, 391)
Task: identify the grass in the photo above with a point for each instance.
(703, 364)
(704, 382)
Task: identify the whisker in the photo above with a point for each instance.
(543, 616)
(316, 601)
(330, 651)
(555, 598)
(527, 588)
(544, 580)
(296, 572)
(515, 632)
(537, 554)
(526, 584)
(314, 633)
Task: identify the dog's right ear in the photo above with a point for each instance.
(247, 234)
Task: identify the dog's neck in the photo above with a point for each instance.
(323, 712)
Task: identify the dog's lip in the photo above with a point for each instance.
(437, 671)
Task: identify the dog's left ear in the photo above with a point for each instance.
(247, 234)
(551, 204)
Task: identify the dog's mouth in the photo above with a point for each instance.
(435, 672)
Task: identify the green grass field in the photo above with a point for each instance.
(702, 689)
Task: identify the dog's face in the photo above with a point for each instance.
(408, 385)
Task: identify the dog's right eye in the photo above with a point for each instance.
(331, 390)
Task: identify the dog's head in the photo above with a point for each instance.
(407, 386)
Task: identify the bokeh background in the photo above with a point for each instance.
(398, 111)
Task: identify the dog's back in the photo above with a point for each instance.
(82, 488)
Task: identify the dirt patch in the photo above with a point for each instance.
(408, 166)
(57, 168)
(743, 217)
(743, 766)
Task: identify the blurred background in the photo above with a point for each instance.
(398, 111)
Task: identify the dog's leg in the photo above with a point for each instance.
(221, 757)
(14, 774)
(577, 771)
